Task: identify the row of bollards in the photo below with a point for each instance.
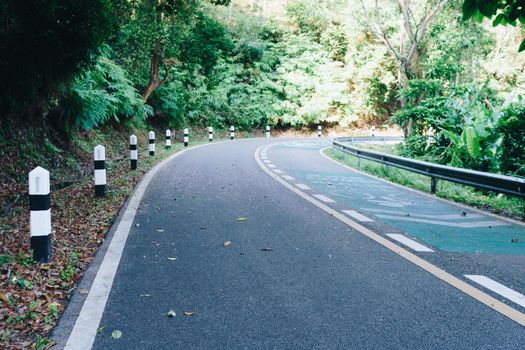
(40, 189)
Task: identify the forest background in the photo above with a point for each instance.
(453, 85)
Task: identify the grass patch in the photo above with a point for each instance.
(496, 203)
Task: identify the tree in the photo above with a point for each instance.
(506, 12)
(44, 43)
(414, 22)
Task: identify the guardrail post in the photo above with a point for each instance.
(267, 131)
(433, 184)
(352, 140)
(319, 130)
(40, 214)
(100, 170)
(168, 138)
(186, 137)
(210, 134)
(151, 146)
(358, 162)
(373, 131)
(232, 132)
(133, 153)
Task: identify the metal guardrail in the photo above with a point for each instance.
(509, 185)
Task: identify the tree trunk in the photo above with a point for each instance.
(154, 81)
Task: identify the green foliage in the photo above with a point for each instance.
(44, 43)
(512, 151)
(101, 93)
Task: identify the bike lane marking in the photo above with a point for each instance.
(461, 285)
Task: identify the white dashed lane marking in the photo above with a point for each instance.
(303, 186)
(409, 242)
(324, 198)
(357, 216)
(277, 171)
(267, 161)
(446, 223)
(271, 166)
(288, 177)
(499, 288)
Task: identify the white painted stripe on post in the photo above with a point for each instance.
(100, 177)
(323, 198)
(288, 177)
(498, 288)
(303, 186)
(40, 222)
(357, 216)
(133, 154)
(409, 242)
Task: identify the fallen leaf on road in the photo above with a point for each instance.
(172, 259)
(172, 313)
(4, 298)
(202, 228)
(514, 240)
(116, 334)
(241, 219)
(145, 295)
(227, 243)
(267, 249)
(188, 313)
(160, 230)
(83, 291)
(100, 329)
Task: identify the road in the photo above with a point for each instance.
(320, 257)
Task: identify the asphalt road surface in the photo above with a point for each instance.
(319, 257)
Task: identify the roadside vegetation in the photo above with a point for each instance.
(448, 73)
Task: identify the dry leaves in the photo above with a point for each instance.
(189, 313)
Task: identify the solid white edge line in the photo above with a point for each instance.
(357, 216)
(84, 331)
(428, 195)
(418, 247)
(498, 288)
(463, 286)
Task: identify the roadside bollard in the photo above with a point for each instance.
(186, 137)
(151, 143)
(40, 214)
(210, 134)
(168, 138)
(232, 132)
(319, 131)
(373, 131)
(133, 154)
(267, 131)
(100, 171)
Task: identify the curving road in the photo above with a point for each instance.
(320, 257)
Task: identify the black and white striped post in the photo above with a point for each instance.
(319, 130)
(232, 132)
(100, 170)
(133, 153)
(168, 138)
(210, 134)
(373, 131)
(267, 131)
(40, 214)
(186, 137)
(151, 137)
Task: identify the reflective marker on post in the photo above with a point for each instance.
(40, 214)
(133, 154)
(210, 134)
(151, 143)
(319, 131)
(186, 137)
(100, 171)
(267, 131)
(232, 132)
(168, 138)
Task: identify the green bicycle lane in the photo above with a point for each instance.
(463, 241)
